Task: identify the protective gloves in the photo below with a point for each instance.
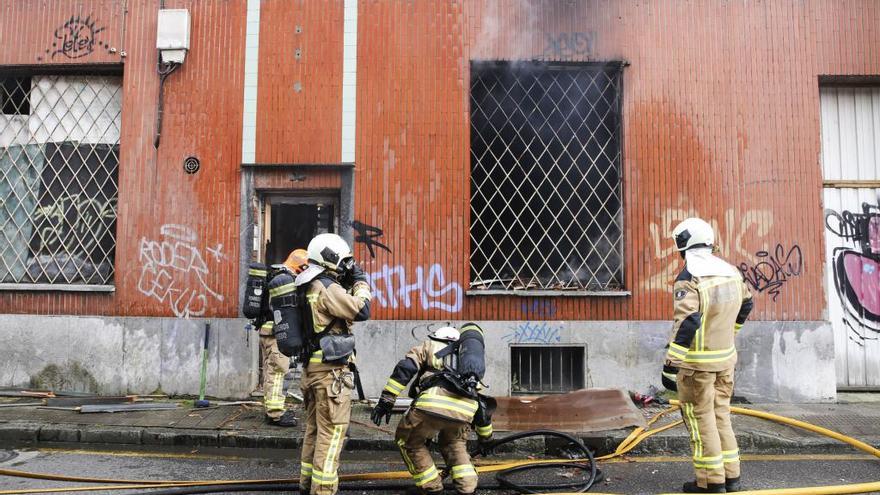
(382, 410)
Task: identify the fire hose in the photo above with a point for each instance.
(502, 469)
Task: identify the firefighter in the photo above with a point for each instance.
(276, 364)
(711, 303)
(337, 294)
(445, 405)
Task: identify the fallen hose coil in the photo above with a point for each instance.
(631, 442)
(503, 477)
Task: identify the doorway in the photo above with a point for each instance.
(291, 221)
(288, 221)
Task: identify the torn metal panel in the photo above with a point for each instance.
(580, 411)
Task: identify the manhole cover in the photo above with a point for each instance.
(7, 455)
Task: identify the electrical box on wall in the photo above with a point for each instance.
(172, 35)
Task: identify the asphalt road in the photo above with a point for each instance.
(638, 475)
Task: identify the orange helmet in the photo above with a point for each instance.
(297, 261)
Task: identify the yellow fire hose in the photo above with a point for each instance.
(637, 436)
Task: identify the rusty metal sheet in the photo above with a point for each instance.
(595, 409)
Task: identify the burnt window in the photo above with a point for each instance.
(59, 160)
(546, 369)
(14, 95)
(546, 209)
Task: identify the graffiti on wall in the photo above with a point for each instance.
(174, 271)
(539, 308)
(773, 269)
(856, 267)
(393, 288)
(421, 331)
(73, 222)
(560, 46)
(530, 332)
(753, 225)
(369, 236)
(77, 37)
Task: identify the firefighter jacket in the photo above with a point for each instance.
(334, 309)
(708, 312)
(421, 362)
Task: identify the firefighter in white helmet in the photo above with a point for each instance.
(337, 295)
(447, 368)
(711, 302)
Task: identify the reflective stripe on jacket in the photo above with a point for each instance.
(707, 311)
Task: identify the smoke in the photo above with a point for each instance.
(509, 30)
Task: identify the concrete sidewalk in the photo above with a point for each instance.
(857, 415)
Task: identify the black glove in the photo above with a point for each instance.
(382, 409)
(485, 445)
(668, 377)
(356, 273)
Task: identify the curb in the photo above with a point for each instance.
(750, 442)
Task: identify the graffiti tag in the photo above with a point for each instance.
(392, 288)
(368, 235)
(76, 38)
(534, 333)
(74, 222)
(539, 308)
(856, 268)
(174, 271)
(752, 225)
(420, 332)
(569, 45)
(773, 269)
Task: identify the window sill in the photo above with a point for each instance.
(550, 293)
(58, 287)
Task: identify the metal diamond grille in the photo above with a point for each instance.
(545, 177)
(59, 157)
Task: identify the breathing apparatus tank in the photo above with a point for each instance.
(287, 302)
(255, 297)
(471, 352)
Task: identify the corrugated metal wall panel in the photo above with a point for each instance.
(177, 234)
(299, 96)
(721, 119)
(855, 330)
(715, 125)
(62, 32)
(284, 180)
(851, 152)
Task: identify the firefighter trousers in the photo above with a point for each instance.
(327, 396)
(705, 408)
(414, 430)
(275, 366)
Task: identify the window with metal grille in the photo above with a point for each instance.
(546, 209)
(59, 157)
(546, 369)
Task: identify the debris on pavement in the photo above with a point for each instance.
(112, 408)
(586, 410)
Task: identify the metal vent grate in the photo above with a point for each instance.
(59, 157)
(545, 369)
(545, 177)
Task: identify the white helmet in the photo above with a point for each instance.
(329, 251)
(326, 252)
(693, 232)
(445, 334)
